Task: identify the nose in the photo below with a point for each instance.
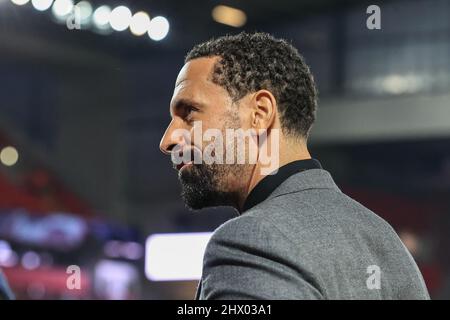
(174, 135)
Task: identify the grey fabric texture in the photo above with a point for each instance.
(308, 240)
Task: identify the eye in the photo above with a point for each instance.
(188, 111)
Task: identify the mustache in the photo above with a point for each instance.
(186, 153)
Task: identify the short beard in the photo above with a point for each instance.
(207, 185)
(202, 186)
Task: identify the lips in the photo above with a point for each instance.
(179, 152)
(182, 165)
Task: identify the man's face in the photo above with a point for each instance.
(198, 101)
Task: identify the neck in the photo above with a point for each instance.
(288, 153)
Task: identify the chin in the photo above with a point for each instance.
(202, 187)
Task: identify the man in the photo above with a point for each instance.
(297, 236)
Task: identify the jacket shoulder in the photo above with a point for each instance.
(247, 258)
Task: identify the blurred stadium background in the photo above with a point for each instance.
(83, 106)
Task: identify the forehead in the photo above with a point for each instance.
(196, 70)
(194, 81)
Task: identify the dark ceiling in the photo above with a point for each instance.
(190, 22)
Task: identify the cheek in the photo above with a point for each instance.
(205, 127)
(245, 119)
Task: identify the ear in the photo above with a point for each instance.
(264, 110)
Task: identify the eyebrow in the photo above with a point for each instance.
(180, 82)
(183, 103)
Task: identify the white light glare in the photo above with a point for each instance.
(62, 8)
(176, 256)
(85, 11)
(41, 5)
(159, 28)
(101, 17)
(400, 84)
(9, 156)
(140, 23)
(20, 2)
(8, 258)
(120, 18)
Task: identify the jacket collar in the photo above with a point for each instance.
(271, 182)
(306, 180)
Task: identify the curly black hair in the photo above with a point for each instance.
(253, 61)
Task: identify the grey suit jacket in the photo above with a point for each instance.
(308, 240)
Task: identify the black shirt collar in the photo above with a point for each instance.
(269, 183)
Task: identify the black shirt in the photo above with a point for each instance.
(269, 183)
